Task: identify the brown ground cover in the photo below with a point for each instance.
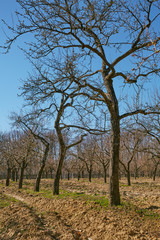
(81, 212)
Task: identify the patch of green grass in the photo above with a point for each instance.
(27, 183)
(145, 213)
(5, 201)
(43, 192)
(29, 191)
(142, 212)
(97, 199)
(47, 193)
(1, 184)
(123, 185)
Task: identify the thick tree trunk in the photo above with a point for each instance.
(112, 104)
(39, 176)
(114, 163)
(38, 179)
(62, 149)
(59, 169)
(129, 178)
(62, 153)
(21, 176)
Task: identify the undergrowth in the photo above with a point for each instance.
(142, 212)
(5, 201)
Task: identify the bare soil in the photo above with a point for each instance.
(25, 215)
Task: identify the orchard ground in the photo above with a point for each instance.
(80, 212)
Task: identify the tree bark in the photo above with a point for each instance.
(114, 163)
(129, 178)
(8, 176)
(39, 176)
(59, 169)
(78, 176)
(112, 104)
(16, 175)
(90, 175)
(21, 176)
(62, 152)
(155, 172)
(68, 176)
(13, 175)
(105, 174)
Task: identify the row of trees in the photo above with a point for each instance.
(79, 50)
(37, 156)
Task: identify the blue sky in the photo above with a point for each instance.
(14, 66)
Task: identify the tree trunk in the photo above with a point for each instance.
(112, 104)
(114, 162)
(8, 176)
(90, 175)
(155, 172)
(128, 175)
(13, 175)
(62, 152)
(51, 172)
(68, 176)
(38, 179)
(136, 173)
(99, 174)
(39, 176)
(16, 175)
(105, 174)
(59, 169)
(129, 178)
(78, 175)
(21, 176)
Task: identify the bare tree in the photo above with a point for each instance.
(9, 154)
(86, 154)
(103, 153)
(26, 145)
(6, 155)
(137, 164)
(151, 128)
(114, 33)
(51, 93)
(78, 166)
(130, 144)
(35, 129)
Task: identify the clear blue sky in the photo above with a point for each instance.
(13, 67)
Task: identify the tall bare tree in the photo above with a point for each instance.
(115, 40)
